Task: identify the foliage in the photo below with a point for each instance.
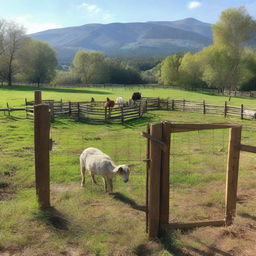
(66, 77)
(191, 71)
(12, 40)
(89, 66)
(38, 62)
(95, 68)
(170, 70)
(233, 30)
(227, 64)
(235, 27)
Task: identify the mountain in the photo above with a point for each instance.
(153, 38)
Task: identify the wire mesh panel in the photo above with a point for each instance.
(198, 162)
(200, 157)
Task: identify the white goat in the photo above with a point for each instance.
(119, 101)
(250, 113)
(98, 163)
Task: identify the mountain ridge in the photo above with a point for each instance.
(152, 38)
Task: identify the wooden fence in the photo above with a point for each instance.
(158, 171)
(95, 112)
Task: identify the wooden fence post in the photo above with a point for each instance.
(38, 97)
(225, 109)
(61, 105)
(69, 108)
(183, 106)
(172, 104)
(8, 109)
(106, 115)
(242, 111)
(167, 104)
(146, 106)
(122, 114)
(158, 103)
(154, 182)
(232, 173)
(147, 176)
(26, 107)
(164, 180)
(42, 146)
(78, 110)
(51, 106)
(204, 107)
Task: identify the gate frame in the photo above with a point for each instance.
(157, 195)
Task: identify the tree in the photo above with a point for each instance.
(2, 36)
(89, 65)
(13, 41)
(38, 62)
(191, 71)
(170, 70)
(216, 63)
(233, 30)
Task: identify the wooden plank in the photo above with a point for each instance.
(8, 109)
(196, 224)
(164, 185)
(247, 148)
(154, 182)
(147, 176)
(242, 111)
(232, 174)
(42, 161)
(225, 109)
(193, 127)
(38, 97)
(51, 107)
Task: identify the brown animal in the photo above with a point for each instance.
(109, 103)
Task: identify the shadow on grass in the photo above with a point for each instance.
(50, 89)
(141, 121)
(121, 197)
(248, 216)
(52, 218)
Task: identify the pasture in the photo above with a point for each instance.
(90, 222)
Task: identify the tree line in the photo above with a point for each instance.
(23, 59)
(95, 68)
(230, 63)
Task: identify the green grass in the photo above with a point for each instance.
(88, 221)
(15, 96)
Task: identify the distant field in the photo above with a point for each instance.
(15, 96)
(90, 222)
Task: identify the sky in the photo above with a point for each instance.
(41, 15)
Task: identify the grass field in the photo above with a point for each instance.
(90, 222)
(15, 96)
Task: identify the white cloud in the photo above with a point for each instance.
(91, 8)
(106, 16)
(33, 27)
(94, 10)
(193, 4)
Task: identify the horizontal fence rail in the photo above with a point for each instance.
(95, 112)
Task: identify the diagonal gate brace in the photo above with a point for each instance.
(163, 146)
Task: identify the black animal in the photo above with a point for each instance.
(136, 96)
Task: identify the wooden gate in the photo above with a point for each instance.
(158, 151)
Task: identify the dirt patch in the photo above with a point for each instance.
(5, 192)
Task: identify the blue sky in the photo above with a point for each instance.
(46, 14)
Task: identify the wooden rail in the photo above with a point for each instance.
(95, 112)
(159, 147)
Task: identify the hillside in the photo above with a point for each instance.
(155, 38)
